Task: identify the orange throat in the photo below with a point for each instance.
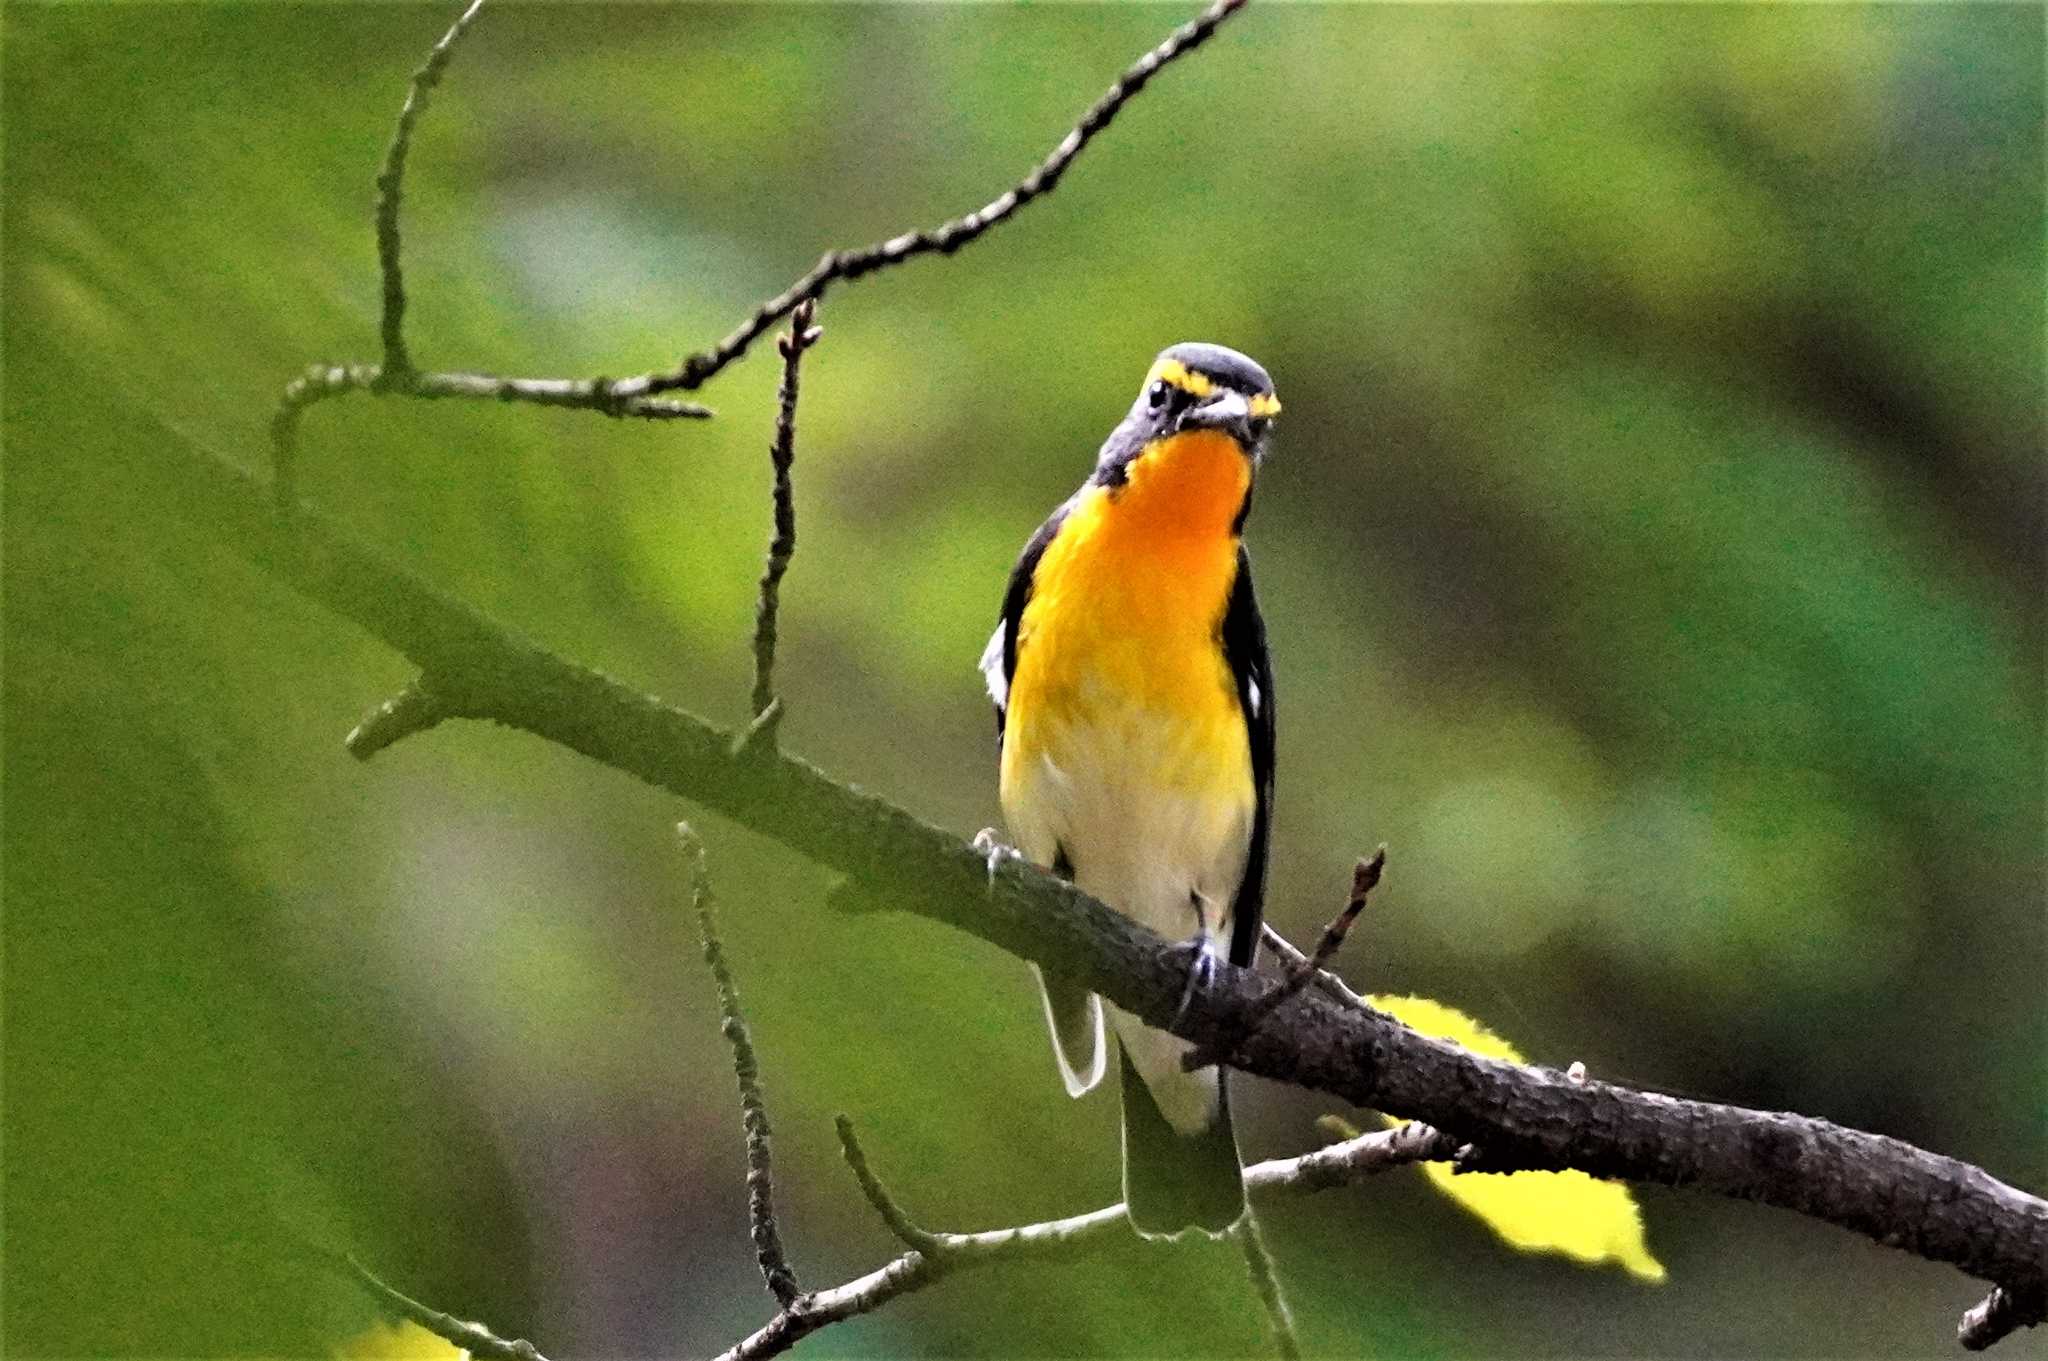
(1184, 487)
(1122, 699)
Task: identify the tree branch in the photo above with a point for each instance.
(782, 544)
(414, 709)
(1999, 1313)
(947, 237)
(1301, 969)
(1932, 1206)
(473, 1338)
(640, 397)
(322, 381)
(776, 1272)
(390, 188)
(931, 1257)
(1258, 1264)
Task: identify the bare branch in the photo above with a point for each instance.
(1999, 1313)
(775, 1268)
(639, 397)
(397, 368)
(322, 381)
(1331, 986)
(849, 265)
(935, 1256)
(473, 1338)
(782, 545)
(1258, 1264)
(900, 1223)
(1932, 1206)
(943, 1254)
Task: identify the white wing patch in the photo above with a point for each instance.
(992, 666)
(1253, 693)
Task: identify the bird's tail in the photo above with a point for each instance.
(1175, 1181)
(1074, 1016)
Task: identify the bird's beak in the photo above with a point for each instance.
(1226, 411)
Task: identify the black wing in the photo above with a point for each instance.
(1001, 658)
(1244, 647)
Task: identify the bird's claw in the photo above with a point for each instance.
(1201, 972)
(990, 843)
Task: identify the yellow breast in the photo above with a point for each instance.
(1119, 645)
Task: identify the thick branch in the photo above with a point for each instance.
(1923, 1203)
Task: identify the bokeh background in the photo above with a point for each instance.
(1652, 549)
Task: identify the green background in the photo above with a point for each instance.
(1651, 547)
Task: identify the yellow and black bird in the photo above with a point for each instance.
(1134, 712)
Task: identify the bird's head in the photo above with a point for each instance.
(1193, 387)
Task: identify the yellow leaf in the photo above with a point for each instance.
(398, 1342)
(1569, 1212)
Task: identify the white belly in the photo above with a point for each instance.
(1140, 835)
(1157, 846)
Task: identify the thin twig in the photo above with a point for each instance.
(1258, 1263)
(322, 381)
(1326, 982)
(782, 544)
(1365, 876)
(639, 397)
(934, 1256)
(1998, 1314)
(397, 369)
(473, 1338)
(775, 1268)
(899, 1222)
(849, 265)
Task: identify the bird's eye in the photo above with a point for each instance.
(1161, 392)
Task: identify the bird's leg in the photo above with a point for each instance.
(991, 844)
(1202, 967)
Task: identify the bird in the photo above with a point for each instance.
(1134, 725)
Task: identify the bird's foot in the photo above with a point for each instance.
(991, 844)
(1201, 971)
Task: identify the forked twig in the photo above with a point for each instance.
(947, 237)
(1365, 876)
(931, 1257)
(640, 397)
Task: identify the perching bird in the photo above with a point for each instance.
(1134, 713)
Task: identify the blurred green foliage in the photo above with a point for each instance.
(1652, 550)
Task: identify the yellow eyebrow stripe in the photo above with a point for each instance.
(1177, 374)
(1181, 376)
